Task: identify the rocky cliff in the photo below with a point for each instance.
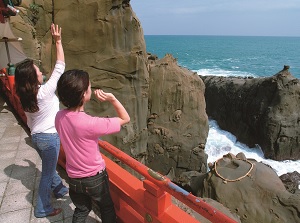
(177, 123)
(263, 111)
(166, 103)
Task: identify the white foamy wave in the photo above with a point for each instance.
(223, 73)
(220, 142)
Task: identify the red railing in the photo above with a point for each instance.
(157, 193)
(8, 87)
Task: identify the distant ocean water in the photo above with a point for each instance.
(232, 56)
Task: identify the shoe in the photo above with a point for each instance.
(60, 191)
(63, 191)
(58, 196)
(56, 211)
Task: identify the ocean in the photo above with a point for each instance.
(232, 56)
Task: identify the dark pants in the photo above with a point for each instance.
(84, 190)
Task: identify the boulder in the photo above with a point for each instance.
(258, 111)
(291, 181)
(249, 189)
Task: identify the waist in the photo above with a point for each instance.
(45, 133)
(100, 172)
(35, 130)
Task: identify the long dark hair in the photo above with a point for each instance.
(27, 85)
(71, 87)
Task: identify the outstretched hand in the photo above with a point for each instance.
(56, 32)
(103, 96)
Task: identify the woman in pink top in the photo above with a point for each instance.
(79, 134)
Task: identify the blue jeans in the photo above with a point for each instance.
(84, 190)
(47, 145)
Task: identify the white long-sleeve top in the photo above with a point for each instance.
(43, 120)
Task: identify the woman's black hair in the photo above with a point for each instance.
(71, 87)
(27, 85)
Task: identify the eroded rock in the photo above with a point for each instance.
(263, 111)
(177, 122)
(250, 189)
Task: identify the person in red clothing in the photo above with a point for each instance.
(79, 134)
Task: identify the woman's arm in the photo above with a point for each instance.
(56, 34)
(50, 87)
(121, 111)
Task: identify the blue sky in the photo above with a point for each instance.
(219, 17)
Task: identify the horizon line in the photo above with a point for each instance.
(218, 35)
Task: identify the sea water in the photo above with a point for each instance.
(232, 56)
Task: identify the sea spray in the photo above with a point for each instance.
(220, 142)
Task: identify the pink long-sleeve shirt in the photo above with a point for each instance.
(79, 134)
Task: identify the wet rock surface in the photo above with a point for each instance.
(291, 181)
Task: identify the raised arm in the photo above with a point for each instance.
(49, 87)
(56, 34)
(121, 111)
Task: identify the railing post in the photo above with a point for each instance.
(156, 200)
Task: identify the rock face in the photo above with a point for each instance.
(291, 181)
(168, 126)
(263, 111)
(178, 124)
(250, 189)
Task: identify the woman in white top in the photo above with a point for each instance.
(41, 105)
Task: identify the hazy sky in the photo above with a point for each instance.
(219, 17)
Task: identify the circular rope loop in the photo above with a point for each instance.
(237, 179)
